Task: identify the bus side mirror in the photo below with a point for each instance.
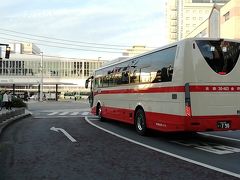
(86, 83)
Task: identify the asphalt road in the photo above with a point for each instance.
(30, 150)
(217, 150)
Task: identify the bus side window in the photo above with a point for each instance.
(158, 77)
(170, 72)
(145, 75)
(165, 77)
(125, 78)
(134, 77)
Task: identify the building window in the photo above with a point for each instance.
(226, 16)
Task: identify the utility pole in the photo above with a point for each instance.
(41, 82)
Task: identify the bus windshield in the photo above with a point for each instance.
(220, 55)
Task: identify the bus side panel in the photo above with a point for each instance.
(165, 122)
(115, 106)
(159, 107)
(118, 114)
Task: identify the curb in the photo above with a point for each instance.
(7, 122)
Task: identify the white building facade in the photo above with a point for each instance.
(183, 16)
(23, 72)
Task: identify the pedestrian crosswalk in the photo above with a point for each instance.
(68, 113)
(62, 113)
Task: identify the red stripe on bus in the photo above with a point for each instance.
(212, 88)
(144, 90)
(173, 89)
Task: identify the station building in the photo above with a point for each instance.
(27, 67)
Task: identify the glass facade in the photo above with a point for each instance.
(25, 72)
(51, 67)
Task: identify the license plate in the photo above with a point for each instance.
(223, 124)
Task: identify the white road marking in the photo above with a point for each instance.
(64, 132)
(53, 113)
(165, 152)
(85, 113)
(63, 113)
(222, 137)
(74, 113)
(209, 147)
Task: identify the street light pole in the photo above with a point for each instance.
(41, 82)
(98, 62)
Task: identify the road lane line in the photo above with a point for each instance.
(165, 152)
(222, 137)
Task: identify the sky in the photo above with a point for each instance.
(89, 28)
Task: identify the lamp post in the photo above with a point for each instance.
(98, 62)
(41, 82)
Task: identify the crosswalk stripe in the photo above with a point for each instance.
(53, 113)
(74, 113)
(63, 113)
(85, 113)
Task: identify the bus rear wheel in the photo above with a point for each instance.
(140, 122)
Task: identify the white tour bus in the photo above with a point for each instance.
(191, 85)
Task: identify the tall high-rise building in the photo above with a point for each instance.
(223, 22)
(183, 16)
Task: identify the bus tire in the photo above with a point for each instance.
(99, 112)
(140, 122)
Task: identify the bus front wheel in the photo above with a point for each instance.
(99, 112)
(140, 122)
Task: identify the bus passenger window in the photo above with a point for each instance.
(170, 72)
(134, 77)
(125, 78)
(164, 74)
(97, 82)
(158, 77)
